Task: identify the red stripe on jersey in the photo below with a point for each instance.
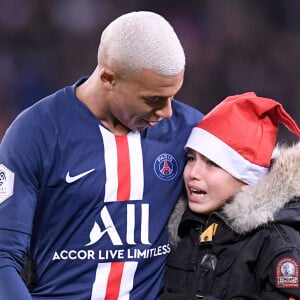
(123, 168)
(114, 281)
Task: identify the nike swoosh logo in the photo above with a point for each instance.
(70, 179)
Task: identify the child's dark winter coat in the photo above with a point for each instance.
(252, 251)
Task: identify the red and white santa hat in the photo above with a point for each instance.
(240, 134)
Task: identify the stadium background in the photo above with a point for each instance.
(232, 46)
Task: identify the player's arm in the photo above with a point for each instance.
(12, 254)
(12, 286)
(19, 178)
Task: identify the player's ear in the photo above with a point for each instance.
(107, 76)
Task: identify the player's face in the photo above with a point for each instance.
(144, 100)
(208, 186)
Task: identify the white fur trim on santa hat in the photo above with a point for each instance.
(224, 156)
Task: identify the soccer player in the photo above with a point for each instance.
(90, 174)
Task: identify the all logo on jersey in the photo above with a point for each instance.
(165, 167)
(7, 178)
(135, 237)
(110, 229)
(287, 273)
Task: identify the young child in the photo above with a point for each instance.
(239, 236)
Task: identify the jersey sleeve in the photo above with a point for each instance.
(11, 285)
(19, 185)
(19, 176)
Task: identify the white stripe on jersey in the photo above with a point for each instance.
(100, 283)
(136, 166)
(127, 279)
(111, 165)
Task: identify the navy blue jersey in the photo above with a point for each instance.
(92, 207)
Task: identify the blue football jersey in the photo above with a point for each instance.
(89, 207)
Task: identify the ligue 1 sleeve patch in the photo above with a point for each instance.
(7, 178)
(287, 273)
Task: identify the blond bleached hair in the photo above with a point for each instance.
(142, 40)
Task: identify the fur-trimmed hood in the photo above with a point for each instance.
(261, 203)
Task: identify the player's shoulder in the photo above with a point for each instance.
(56, 105)
(186, 112)
(45, 109)
(40, 119)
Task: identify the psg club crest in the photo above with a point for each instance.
(166, 167)
(6, 183)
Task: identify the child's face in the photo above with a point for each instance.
(208, 186)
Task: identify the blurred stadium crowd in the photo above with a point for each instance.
(232, 46)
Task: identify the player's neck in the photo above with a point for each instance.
(90, 94)
(115, 128)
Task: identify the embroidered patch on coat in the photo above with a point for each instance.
(287, 273)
